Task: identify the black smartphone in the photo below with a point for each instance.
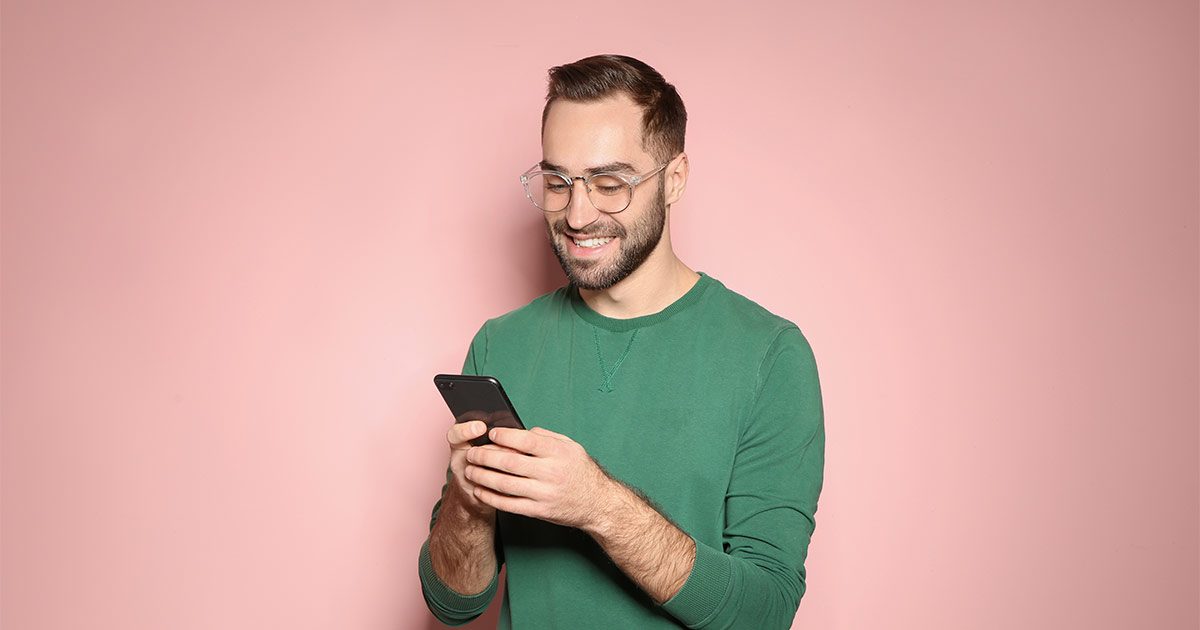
(478, 398)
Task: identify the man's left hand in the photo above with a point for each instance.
(549, 477)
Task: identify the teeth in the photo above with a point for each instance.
(592, 242)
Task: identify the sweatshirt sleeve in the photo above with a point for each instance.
(757, 578)
(450, 607)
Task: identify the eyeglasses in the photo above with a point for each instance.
(609, 193)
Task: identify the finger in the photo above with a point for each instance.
(521, 440)
(503, 483)
(463, 432)
(549, 433)
(496, 447)
(513, 505)
(503, 459)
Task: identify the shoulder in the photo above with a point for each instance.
(767, 342)
(531, 315)
(751, 321)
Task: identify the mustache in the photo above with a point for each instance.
(592, 229)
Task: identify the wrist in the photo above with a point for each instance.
(461, 545)
(463, 510)
(613, 507)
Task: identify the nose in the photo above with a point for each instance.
(580, 212)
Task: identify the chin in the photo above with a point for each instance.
(596, 278)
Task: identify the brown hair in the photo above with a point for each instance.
(664, 118)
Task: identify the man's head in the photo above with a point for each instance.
(611, 113)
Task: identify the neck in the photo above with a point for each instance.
(653, 286)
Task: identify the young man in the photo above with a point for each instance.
(673, 473)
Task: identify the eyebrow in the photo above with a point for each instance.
(611, 167)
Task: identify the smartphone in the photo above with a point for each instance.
(478, 398)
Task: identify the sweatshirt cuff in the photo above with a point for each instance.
(705, 590)
(452, 605)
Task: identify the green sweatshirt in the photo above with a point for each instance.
(710, 407)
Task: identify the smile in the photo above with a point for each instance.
(586, 247)
(592, 242)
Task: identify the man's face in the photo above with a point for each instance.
(597, 250)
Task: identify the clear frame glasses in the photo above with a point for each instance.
(609, 193)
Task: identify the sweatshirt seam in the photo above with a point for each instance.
(486, 343)
(759, 383)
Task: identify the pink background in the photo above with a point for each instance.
(240, 238)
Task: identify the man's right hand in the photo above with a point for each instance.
(459, 436)
(461, 545)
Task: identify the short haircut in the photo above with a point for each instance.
(664, 118)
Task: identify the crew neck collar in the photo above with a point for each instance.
(624, 325)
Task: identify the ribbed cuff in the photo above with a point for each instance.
(705, 590)
(454, 607)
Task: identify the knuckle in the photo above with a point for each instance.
(481, 475)
(499, 458)
(455, 436)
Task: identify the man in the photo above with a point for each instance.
(673, 473)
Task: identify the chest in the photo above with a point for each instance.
(660, 414)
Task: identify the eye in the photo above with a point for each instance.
(607, 185)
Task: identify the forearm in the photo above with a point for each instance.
(462, 546)
(647, 547)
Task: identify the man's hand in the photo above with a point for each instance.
(461, 545)
(459, 437)
(541, 474)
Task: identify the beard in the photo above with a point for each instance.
(637, 242)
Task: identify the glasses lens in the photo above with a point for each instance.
(549, 192)
(609, 193)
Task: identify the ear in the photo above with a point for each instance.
(676, 176)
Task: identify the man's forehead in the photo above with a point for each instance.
(587, 136)
(618, 106)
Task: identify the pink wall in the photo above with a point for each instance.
(239, 239)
